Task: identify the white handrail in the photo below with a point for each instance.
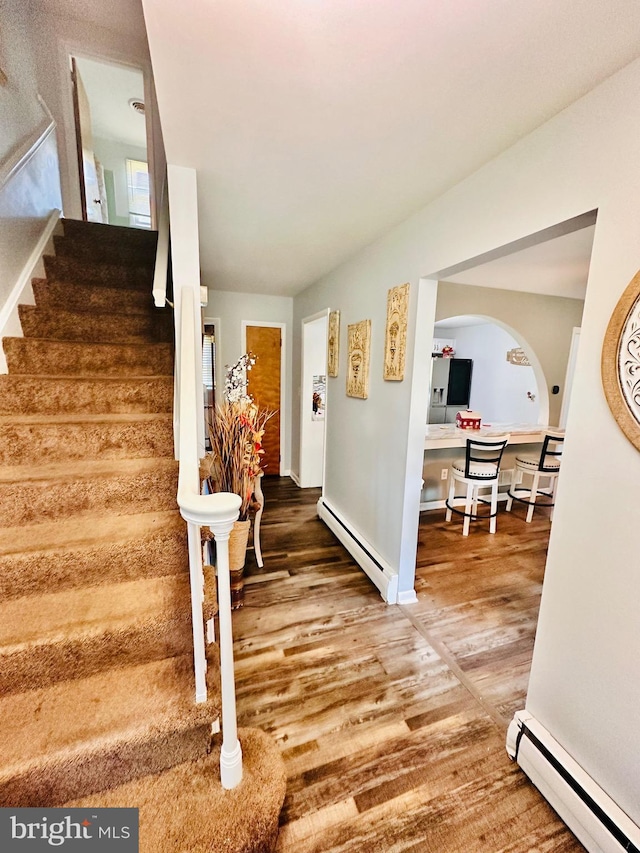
(162, 252)
(217, 511)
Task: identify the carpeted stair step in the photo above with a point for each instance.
(37, 356)
(100, 234)
(62, 325)
(110, 275)
(89, 297)
(186, 808)
(56, 555)
(69, 740)
(90, 250)
(33, 439)
(32, 494)
(73, 634)
(90, 395)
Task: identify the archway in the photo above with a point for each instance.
(507, 381)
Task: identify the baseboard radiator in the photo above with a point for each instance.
(373, 565)
(598, 823)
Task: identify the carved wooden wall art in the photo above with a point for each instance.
(396, 334)
(518, 357)
(359, 342)
(621, 362)
(333, 346)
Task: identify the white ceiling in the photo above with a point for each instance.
(460, 322)
(316, 125)
(109, 89)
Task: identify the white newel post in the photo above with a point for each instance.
(231, 751)
(218, 512)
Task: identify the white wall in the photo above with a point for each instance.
(29, 179)
(585, 679)
(312, 431)
(20, 111)
(498, 388)
(234, 308)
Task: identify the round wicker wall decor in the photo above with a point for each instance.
(621, 362)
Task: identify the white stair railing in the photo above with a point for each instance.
(217, 511)
(162, 251)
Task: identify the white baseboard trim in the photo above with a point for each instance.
(295, 478)
(595, 819)
(21, 290)
(373, 565)
(407, 597)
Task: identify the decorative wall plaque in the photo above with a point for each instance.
(333, 346)
(518, 357)
(396, 334)
(359, 341)
(621, 362)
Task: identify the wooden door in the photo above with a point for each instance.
(264, 381)
(89, 186)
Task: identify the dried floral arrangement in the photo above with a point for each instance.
(235, 432)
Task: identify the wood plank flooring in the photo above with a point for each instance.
(392, 720)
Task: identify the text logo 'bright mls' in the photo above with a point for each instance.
(33, 830)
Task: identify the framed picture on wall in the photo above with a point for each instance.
(319, 397)
(620, 364)
(396, 332)
(359, 342)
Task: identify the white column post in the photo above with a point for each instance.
(231, 751)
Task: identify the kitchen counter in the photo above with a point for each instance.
(442, 444)
(439, 436)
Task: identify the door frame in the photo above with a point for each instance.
(70, 177)
(283, 379)
(220, 368)
(313, 318)
(569, 376)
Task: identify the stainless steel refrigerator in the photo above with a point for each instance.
(450, 388)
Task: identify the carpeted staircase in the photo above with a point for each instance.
(96, 667)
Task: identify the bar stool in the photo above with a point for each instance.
(546, 465)
(480, 469)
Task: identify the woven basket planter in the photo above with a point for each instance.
(238, 539)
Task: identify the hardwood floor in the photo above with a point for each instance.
(392, 720)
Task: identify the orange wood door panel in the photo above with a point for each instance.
(263, 385)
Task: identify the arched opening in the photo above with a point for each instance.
(506, 382)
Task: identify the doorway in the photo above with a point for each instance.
(482, 610)
(264, 384)
(313, 403)
(111, 142)
(507, 381)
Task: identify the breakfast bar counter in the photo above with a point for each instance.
(448, 435)
(443, 444)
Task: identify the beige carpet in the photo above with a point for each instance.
(96, 674)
